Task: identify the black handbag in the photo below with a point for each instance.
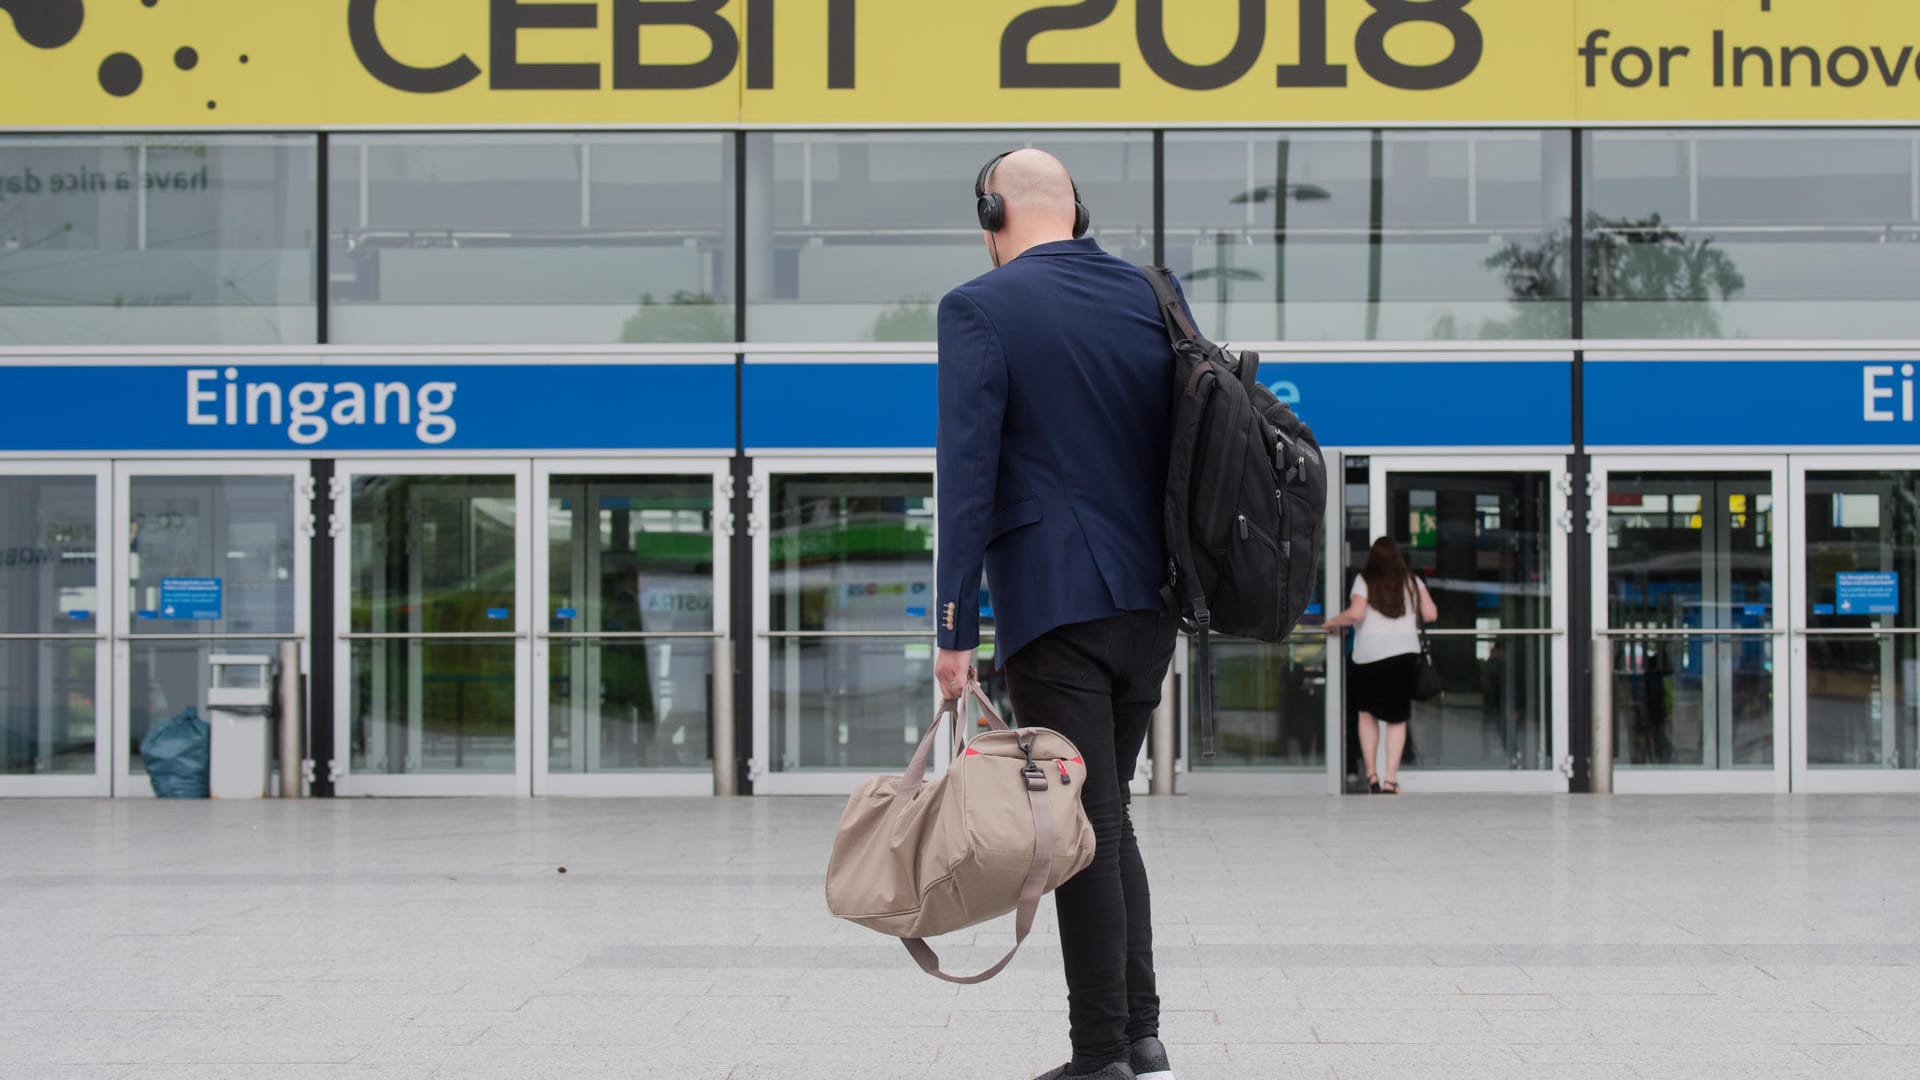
(1426, 682)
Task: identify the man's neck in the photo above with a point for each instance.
(1010, 252)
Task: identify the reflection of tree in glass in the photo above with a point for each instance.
(1675, 276)
(912, 319)
(686, 316)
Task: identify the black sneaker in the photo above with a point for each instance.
(1119, 1070)
(1149, 1059)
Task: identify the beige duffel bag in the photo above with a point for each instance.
(916, 858)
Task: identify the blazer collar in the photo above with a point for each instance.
(1083, 246)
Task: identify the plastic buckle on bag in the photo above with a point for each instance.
(1036, 776)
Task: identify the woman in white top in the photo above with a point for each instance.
(1386, 653)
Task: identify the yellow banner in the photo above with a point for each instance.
(128, 64)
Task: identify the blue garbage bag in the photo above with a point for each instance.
(178, 753)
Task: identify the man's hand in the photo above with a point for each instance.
(952, 668)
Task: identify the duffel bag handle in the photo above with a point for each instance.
(989, 715)
(916, 773)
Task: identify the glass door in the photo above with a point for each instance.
(1489, 536)
(632, 581)
(843, 619)
(431, 650)
(213, 560)
(1856, 637)
(55, 603)
(1687, 563)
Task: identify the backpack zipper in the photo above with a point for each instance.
(1249, 530)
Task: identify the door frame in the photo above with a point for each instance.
(658, 783)
(1706, 781)
(1556, 778)
(765, 779)
(106, 725)
(1806, 778)
(347, 783)
(300, 470)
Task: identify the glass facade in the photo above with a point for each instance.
(1270, 701)
(49, 604)
(850, 595)
(238, 530)
(592, 239)
(1690, 593)
(158, 240)
(1363, 236)
(834, 241)
(1863, 570)
(432, 584)
(1482, 543)
(630, 589)
(1752, 234)
(855, 237)
(612, 237)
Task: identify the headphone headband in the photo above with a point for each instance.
(991, 209)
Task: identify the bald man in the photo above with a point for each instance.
(1055, 395)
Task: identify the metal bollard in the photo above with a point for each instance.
(1600, 771)
(1163, 739)
(291, 692)
(725, 768)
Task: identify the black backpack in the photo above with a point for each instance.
(1246, 497)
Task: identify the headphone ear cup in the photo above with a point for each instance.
(1082, 219)
(992, 211)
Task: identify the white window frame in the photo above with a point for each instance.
(107, 539)
(766, 780)
(1706, 780)
(1831, 779)
(127, 784)
(347, 783)
(1556, 778)
(679, 782)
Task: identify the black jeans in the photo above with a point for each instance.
(1097, 683)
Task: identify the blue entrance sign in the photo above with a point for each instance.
(190, 598)
(312, 408)
(1724, 403)
(1867, 594)
(1371, 403)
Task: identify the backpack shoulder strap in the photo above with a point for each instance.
(1247, 366)
(1172, 313)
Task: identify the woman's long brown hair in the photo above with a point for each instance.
(1388, 580)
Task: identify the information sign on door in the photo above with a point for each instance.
(197, 598)
(1867, 593)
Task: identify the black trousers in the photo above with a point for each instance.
(1097, 683)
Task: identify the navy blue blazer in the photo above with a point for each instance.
(1055, 391)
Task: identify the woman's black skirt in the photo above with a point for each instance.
(1384, 688)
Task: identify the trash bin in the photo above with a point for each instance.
(239, 708)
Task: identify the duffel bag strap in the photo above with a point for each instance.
(987, 711)
(963, 730)
(1031, 890)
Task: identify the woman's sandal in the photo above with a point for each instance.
(1373, 784)
(1390, 787)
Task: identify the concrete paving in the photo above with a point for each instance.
(1572, 938)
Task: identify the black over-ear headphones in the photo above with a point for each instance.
(992, 209)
